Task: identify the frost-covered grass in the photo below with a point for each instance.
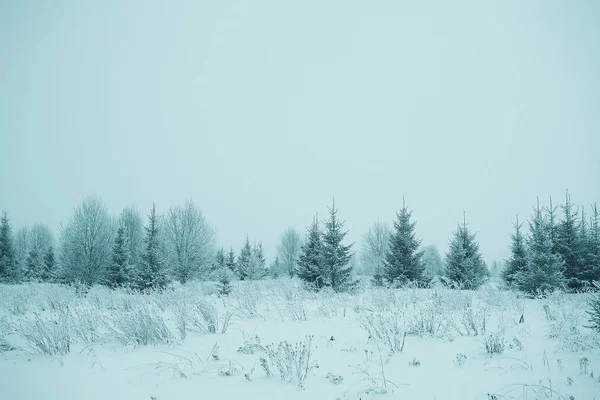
(272, 339)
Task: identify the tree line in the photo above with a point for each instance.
(560, 250)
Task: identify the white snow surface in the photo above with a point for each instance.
(550, 355)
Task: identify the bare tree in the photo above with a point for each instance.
(288, 252)
(374, 248)
(191, 241)
(433, 261)
(86, 243)
(22, 245)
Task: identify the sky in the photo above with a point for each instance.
(262, 111)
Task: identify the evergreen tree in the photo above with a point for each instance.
(34, 266)
(49, 273)
(220, 260)
(335, 255)
(276, 269)
(594, 244)
(544, 270)
(152, 274)
(552, 224)
(568, 245)
(224, 276)
(256, 265)
(403, 262)
(243, 261)
(7, 251)
(518, 255)
(117, 274)
(585, 261)
(230, 262)
(310, 261)
(260, 255)
(464, 264)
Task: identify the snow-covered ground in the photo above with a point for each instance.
(396, 344)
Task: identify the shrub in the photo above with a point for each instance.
(388, 330)
(49, 337)
(293, 362)
(206, 318)
(494, 344)
(142, 326)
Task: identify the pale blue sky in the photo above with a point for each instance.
(261, 111)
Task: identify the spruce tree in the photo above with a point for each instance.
(586, 272)
(49, 273)
(230, 262)
(552, 224)
(403, 262)
(544, 270)
(594, 244)
(219, 261)
(568, 245)
(243, 261)
(310, 261)
(335, 255)
(7, 251)
(117, 274)
(33, 266)
(152, 274)
(464, 263)
(518, 255)
(224, 276)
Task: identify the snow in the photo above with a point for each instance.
(549, 365)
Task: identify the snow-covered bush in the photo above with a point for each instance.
(142, 326)
(494, 343)
(206, 317)
(49, 336)
(389, 330)
(293, 362)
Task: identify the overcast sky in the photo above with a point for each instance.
(262, 111)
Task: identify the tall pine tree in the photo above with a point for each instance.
(568, 244)
(152, 274)
(230, 262)
(403, 262)
(518, 255)
(310, 262)
(243, 262)
(544, 270)
(118, 272)
(594, 244)
(335, 255)
(464, 263)
(7, 251)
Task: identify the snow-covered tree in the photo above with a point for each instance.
(464, 263)
(335, 256)
(39, 241)
(230, 262)
(243, 261)
(133, 227)
(191, 242)
(7, 251)
(374, 250)
(568, 244)
(22, 244)
(594, 244)
(310, 262)
(152, 273)
(544, 269)
(433, 262)
(86, 243)
(50, 273)
(288, 251)
(118, 273)
(517, 261)
(403, 261)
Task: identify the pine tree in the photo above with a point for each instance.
(594, 244)
(219, 261)
(335, 255)
(544, 270)
(152, 274)
(310, 261)
(256, 265)
(552, 226)
(244, 260)
(230, 262)
(568, 245)
(403, 262)
(7, 251)
(518, 255)
(224, 276)
(586, 273)
(464, 263)
(49, 273)
(33, 266)
(117, 274)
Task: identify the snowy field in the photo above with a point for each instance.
(273, 340)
